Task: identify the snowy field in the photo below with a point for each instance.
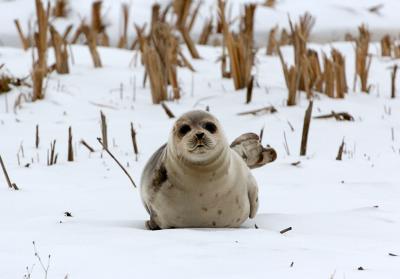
(334, 18)
(344, 215)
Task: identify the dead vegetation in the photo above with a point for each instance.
(161, 54)
(240, 46)
(307, 74)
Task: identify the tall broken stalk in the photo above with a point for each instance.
(306, 128)
(39, 71)
(70, 149)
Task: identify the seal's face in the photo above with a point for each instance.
(197, 137)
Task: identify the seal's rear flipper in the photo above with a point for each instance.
(248, 146)
(151, 225)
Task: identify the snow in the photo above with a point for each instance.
(344, 214)
(334, 18)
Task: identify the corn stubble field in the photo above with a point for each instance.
(70, 97)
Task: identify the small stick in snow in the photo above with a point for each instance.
(394, 73)
(261, 111)
(285, 144)
(291, 126)
(306, 128)
(70, 149)
(261, 133)
(249, 93)
(115, 159)
(339, 116)
(85, 144)
(392, 129)
(104, 129)
(340, 152)
(11, 185)
(45, 268)
(133, 136)
(167, 110)
(285, 230)
(292, 264)
(37, 138)
(393, 255)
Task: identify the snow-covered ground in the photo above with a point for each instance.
(344, 214)
(334, 18)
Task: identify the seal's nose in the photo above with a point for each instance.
(200, 135)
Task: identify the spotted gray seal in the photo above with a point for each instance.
(198, 180)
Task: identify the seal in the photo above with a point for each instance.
(198, 180)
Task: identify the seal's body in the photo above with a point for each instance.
(197, 179)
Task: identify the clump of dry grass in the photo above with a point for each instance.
(240, 46)
(161, 55)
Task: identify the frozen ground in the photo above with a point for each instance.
(344, 214)
(334, 18)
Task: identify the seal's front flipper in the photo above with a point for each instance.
(248, 146)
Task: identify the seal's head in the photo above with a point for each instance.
(197, 138)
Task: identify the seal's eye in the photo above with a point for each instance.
(209, 126)
(184, 129)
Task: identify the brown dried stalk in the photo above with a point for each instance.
(60, 51)
(115, 159)
(10, 185)
(340, 151)
(52, 156)
(104, 133)
(386, 46)
(85, 144)
(261, 111)
(393, 79)
(60, 8)
(134, 143)
(270, 3)
(240, 46)
(91, 40)
(167, 110)
(206, 32)
(363, 58)
(291, 79)
(37, 138)
(249, 92)
(339, 116)
(123, 40)
(70, 149)
(340, 72)
(306, 128)
(272, 43)
(24, 40)
(182, 9)
(40, 66)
